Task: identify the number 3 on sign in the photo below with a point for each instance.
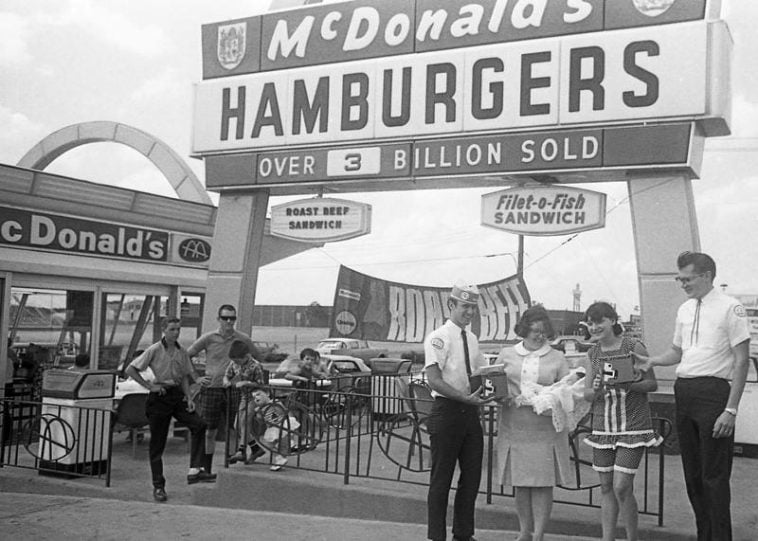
(354, 161)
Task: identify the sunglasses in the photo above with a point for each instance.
(228, 318)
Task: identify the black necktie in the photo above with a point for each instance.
(474, 382)
(465, 353)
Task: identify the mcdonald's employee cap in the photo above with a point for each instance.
(465, 293)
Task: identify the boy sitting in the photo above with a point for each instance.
(244, 374)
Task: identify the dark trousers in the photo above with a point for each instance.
(707, 461)
(455, 433)
(159, 410)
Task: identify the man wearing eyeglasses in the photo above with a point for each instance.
(212, 399)
(711, 341)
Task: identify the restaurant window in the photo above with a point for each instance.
(49, 328)
(130, 323)
(191, 313)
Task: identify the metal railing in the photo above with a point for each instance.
(367, 426)
(56, 439)
(370, 426)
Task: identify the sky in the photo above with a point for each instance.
(64, 62)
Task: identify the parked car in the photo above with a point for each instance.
(346, 363)
(349, 373)
(350, 346)
(571, 344)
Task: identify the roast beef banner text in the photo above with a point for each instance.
(375, 309)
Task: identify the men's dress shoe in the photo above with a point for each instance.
(463, 538)
(159, 495)
(239, 456)
(201, 477)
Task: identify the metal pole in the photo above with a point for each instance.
(520, 259)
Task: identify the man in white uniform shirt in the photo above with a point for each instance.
(455, 430)
(710, 346)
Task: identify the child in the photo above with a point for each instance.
(621, 424)
(244, 374)
(310, 366)
(278, 429)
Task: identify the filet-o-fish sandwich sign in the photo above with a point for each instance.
(544, 210)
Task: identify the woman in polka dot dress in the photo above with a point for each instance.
(621, 423)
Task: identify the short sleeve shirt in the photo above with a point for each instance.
(706, 340)
(216, 349)
(444, 347)
(169, 367)
(250, 371)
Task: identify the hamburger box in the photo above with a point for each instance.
(494, 381)
(618, 369)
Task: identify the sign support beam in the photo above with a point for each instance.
(236, 256)
(665, 225)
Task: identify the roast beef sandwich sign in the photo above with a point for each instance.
(320, 219)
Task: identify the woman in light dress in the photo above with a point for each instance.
(532, 456)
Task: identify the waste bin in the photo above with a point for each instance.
(75, 421)
(386, 397)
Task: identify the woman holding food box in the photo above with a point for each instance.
(533, 456)
(621, 423)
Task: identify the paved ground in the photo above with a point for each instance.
(239, 505)
(63, 518)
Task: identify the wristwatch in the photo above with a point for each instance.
(731, 411)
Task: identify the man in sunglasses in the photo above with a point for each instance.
(213, 400)
(710, 347)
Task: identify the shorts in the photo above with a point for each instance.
(622, 459)
(215, 404)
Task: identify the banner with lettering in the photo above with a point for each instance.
(375, 309)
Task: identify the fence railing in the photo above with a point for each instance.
(56, 439)
(360, 425)
(374, 426)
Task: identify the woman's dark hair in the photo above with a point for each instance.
(532, 316)
(598, 310)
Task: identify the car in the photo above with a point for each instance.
(346, 363)
(350, 346)
(571, 344)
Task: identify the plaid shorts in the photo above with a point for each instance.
(216, 403)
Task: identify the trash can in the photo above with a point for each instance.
(75, 421)
(386, 397)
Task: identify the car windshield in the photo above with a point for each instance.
(330, 344)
